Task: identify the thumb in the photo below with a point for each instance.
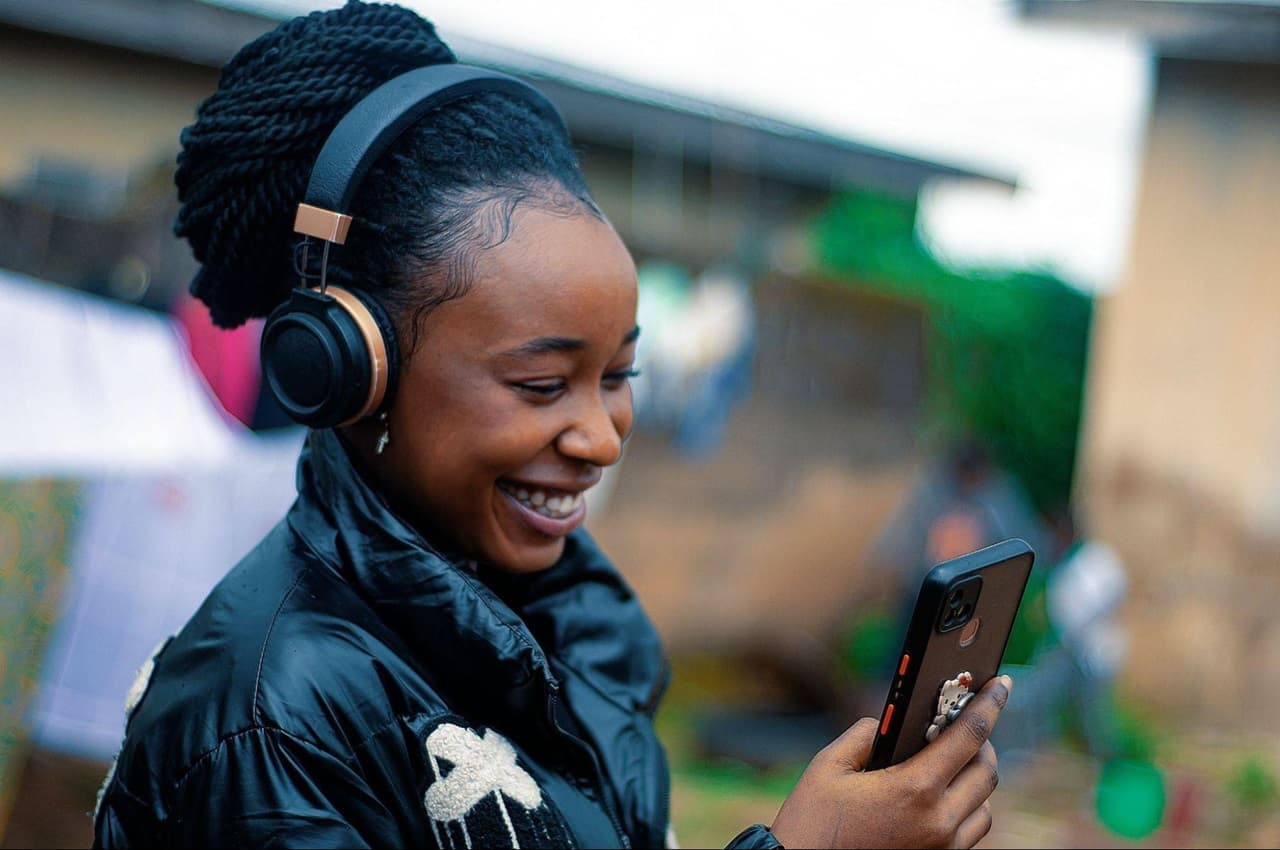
(852, 749)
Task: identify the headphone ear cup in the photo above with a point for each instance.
(316, 360)
(390, 344)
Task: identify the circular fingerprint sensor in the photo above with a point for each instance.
(970, 632)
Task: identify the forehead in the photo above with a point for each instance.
(554, 275)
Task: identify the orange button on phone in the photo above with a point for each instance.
(902, 668)
(884, 721)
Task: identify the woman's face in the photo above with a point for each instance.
(517, 394)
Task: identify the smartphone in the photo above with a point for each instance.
(957, 635)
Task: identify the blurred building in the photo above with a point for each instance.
(1181, 447)
(96, 91)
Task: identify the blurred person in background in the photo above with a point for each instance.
(661, 359)
(1066, 648)
(697, 355)
(429, 650)
(962, 502)
(722, 324)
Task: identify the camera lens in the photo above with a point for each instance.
(959, 602)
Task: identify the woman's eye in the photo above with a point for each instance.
(543, 388)
(621, 375)
(548, 388)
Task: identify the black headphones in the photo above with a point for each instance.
(329, 354)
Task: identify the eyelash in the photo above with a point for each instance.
(548, 390)
(623, 375)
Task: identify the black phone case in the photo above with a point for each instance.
(933, 657)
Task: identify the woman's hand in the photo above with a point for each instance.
(936, 798)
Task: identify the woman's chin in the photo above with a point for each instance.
(530, 559)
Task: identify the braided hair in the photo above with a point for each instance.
(445, 191)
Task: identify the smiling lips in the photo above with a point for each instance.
(550, 512)
(556, 504)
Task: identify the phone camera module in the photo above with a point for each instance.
(959, 603)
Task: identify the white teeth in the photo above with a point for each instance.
(555, 507)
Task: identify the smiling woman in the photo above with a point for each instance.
(429, 650)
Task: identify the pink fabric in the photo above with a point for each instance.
(228, 360)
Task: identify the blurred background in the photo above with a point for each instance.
(915, 277)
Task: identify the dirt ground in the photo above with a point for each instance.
(1047, 799)
(54, 802)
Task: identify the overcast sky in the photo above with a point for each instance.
(965, 81)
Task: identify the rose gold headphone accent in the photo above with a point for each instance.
(374, 342)
(321, 223)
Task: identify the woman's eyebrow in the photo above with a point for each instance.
(546, 345)
(559, 344)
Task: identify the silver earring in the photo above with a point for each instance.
(385, 438)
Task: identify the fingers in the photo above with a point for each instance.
(974, 784)
(852, 749)
(960, 741)
(975, 827)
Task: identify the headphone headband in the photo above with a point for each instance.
(377, 121)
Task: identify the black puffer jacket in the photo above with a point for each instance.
(347, 685)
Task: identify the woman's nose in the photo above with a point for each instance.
(596, 434)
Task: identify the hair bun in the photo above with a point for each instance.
(245, 162)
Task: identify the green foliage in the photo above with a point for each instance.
(732, 778)
(869, 644)
(1132, 732)
(1031, 626)
(1253, 784)
(1006, 351)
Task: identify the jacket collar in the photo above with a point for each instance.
(483, 637)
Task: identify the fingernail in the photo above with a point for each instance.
(1008, 683)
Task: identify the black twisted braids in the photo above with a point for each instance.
(446, 189)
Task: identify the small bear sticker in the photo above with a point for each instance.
(952, 699)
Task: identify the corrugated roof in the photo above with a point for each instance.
(1239, 31)
(598, 107)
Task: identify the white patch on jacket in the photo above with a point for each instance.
(482, 765)
(131, 701)
(140, 681)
